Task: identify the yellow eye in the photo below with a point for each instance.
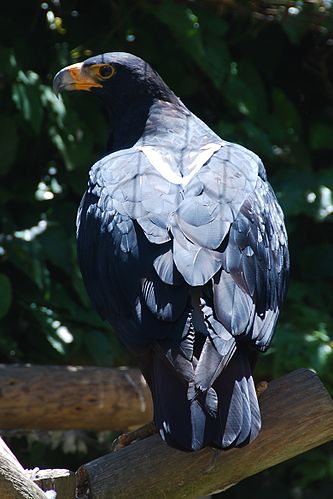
(105, 71)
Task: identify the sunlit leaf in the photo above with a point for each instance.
(26, 95)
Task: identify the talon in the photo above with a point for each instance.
(261, 387)
(126, 439)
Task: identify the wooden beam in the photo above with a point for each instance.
(73, 397)
(297, 415)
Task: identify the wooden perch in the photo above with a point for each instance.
(297, 415)
(18, 483)
(59, 480)
(68, 397)
(14, 482)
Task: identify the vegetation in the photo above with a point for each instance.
(259, 73)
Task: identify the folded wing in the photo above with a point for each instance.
(192, 275)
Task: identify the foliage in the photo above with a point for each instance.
(259, 73)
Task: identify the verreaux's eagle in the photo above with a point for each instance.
(183, 249)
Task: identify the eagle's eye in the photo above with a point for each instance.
(106, 71)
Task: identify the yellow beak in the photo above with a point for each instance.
(74, 77)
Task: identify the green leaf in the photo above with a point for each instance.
(216, 61)
(321, 136)
(76, 132)
(296, 26)
(56, 247)
(287, 114)
(248, 74)
(183, 23)
(257, 139)
(211, 23)
(54, 104)
(212, 54)
(26, 95)
(99, 347)
(27, 257)
(226, 130)
(240, 96)
(5, 295)
(8, 142)
(293, 188)
(56, 344)
(8, 62)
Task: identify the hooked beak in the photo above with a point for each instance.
(74, 77)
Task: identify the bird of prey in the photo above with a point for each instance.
(183, 249)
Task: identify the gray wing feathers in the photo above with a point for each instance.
(233, 307)
(212, 201)
(224, 224)
(250, 287)
(137, 191)
(194, 262)
(166, 269)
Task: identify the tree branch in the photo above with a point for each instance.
(68, 397)
(297, 415)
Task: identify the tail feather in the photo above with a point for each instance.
(239, 414)
(198, 425)
(246, 420)
(224, 415)
(172, 413)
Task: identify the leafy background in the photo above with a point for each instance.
(260, 73)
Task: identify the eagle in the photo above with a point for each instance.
(183, 250)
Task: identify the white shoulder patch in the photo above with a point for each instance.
(165, 163)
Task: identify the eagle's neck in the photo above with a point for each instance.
(127, 123)
(135, 117)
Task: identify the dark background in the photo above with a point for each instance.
(260, 74)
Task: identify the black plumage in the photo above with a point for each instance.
(183, 249)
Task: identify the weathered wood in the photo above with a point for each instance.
(60, 481)
(68, 397)
(14, 482)
(297, 415)
(127, 438)
(6, 452)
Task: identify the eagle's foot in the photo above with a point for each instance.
(126, 439)
(261, 387)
